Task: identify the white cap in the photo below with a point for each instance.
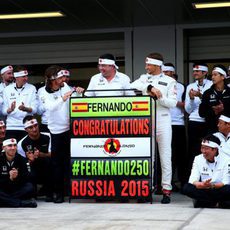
(10, 141)
(21, 73)
(224, 118)
(30, 123)
(153, 61)
(201, 68)
(7, 68)
(104, 61)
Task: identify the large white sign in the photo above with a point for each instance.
(111, 147)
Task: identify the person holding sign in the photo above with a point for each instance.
(163, 89)
(56, 103)
(108, 79)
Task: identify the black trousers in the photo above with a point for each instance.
(179, 153)
(207, 195)
(41, 172)
(12, 197)
(196, 132)
(60, 160)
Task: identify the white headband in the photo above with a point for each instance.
(219, 70)
(168, 68)
(2, 123)
(9, 142)
(224, 118)
(102, 61)
(7, 68)
(201, 68)
(62, 73)
(153, 61)
(21, 73)
(210, 144)
(30, 123)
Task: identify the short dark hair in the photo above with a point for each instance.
(199, 63)
(157, 56)
(27, 118)
(212, 138)
(169, 64)
(107, 56)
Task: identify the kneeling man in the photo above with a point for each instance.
(210, 177)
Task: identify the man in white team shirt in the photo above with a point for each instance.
(179, 154)
(56, 103)
(7, 76)
(210, 177)
(196, 124)
(108, 79)
(163, 88)
(224, 135)
(20, 99)
(41, 96)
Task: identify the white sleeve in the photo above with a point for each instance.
(195, 173)
(91, 86)
(170, 99)
(34, 101)
(127, 85)
(226, 173)
(20, 149)
(5, 104)
(139, 84)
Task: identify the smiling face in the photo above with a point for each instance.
(208, 152)
(107, 71)
(10, 151)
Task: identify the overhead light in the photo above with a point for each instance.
(211, 5)
(32, 15)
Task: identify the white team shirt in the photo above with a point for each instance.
(28, 95)
(192, 106)
(177, 114)
(57, 110)
(41, 110)
(2, 87)
(202, 170)
(98, 82)
(22, 152)
(224, 144)
(165, 84)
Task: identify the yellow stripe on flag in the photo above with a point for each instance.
(140, 105)
(79, 107)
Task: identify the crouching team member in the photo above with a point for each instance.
(36, 147)
(16, 190)
(210, 177)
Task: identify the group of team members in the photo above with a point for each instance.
(46, 156)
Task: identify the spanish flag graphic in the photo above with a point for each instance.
(140, 105)
(79, 107)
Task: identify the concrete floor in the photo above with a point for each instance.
(86, 214)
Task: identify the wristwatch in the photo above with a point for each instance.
(213, 186)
